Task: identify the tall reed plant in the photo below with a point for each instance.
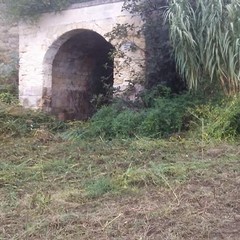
(205, 36)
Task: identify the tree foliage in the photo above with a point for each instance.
(160, 63)
(204, 37)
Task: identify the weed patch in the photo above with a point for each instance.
(217, 121)
(99, 187)
(17, 122)
(164, 117)
(117, 179)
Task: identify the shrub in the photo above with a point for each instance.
(165, 118)
(149, 96)
(126, 123)
(218, 120)
(8, 98)
(102, 121)
(168, 114)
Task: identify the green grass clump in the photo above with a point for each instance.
(156, 114)
(164, 116)
(17, 121)
(99, 187)
(8, 98)
(126, 123)
(218, 121)
(151, 116)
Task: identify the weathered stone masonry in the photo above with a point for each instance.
(8, 37)
(62, 58)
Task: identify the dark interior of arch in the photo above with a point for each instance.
(81, 71)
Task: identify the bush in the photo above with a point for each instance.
(165, 118)
(102, 121)
(8, 98)
(218, 120)
(167, 114)
(126, 123)
(149, 96)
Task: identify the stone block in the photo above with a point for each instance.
(65, 54)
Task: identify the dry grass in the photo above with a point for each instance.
(120, 189)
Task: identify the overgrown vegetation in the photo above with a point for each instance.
(160, 114)
(206, 50)
(8, 74)
(156, 114)
(18, 122)
(31, 9)
(115, 188)
(163, 167)
(160, 63)
(205, 38)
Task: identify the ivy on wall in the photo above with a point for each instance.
(31, 9)
(160, 63)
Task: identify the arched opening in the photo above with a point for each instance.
(82, 71)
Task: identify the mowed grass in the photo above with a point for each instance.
(119, 189)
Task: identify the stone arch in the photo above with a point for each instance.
(76, 67)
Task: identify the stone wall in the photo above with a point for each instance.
(44, 57)
(9, 53)
(8, 37)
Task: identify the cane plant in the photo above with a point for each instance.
(205, 36)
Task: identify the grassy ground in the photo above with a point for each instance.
(52, 188)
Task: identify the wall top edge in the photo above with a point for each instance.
(92, 3)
